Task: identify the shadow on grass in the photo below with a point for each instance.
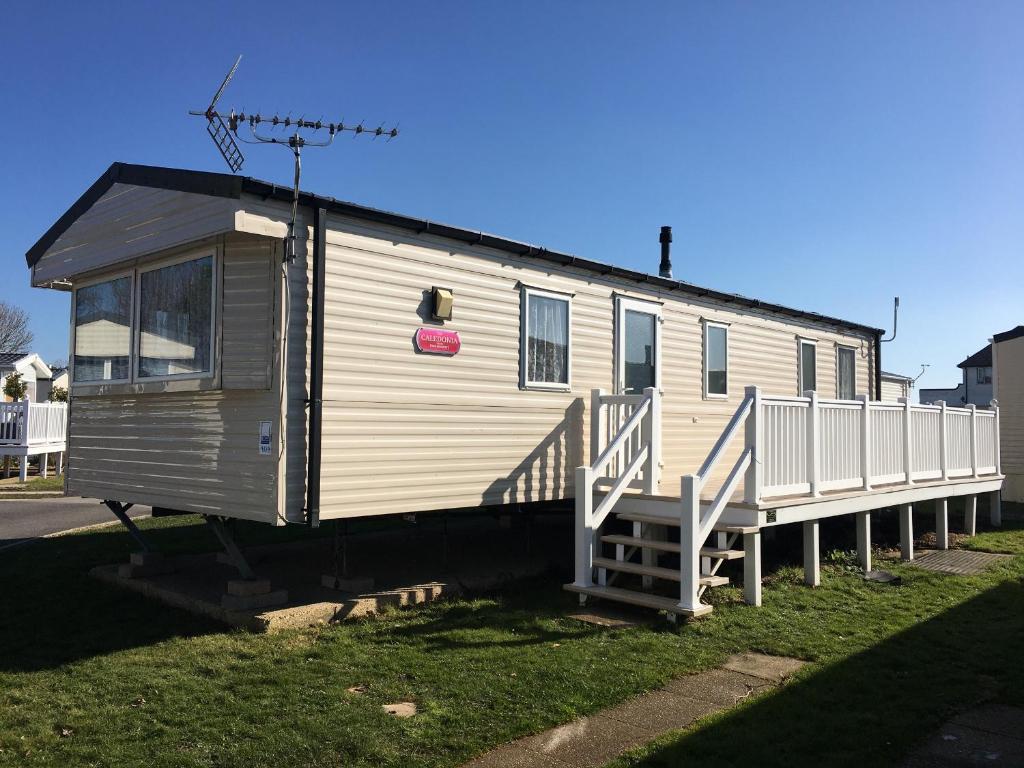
(52, 612)
(872, 708)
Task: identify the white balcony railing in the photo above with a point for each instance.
(811, 445)
(25, 425)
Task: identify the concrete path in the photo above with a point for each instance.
(24, 520)
(989, 735)
(596, 740)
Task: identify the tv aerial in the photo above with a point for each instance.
(298, 133)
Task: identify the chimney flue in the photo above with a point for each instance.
(665, 270)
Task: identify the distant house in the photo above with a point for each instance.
(34, 372)
(1008, 382)
(895, 386)
(60, 377)
(976, 386)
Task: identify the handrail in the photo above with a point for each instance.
(589, 519)
(715, 509)
(725, 438)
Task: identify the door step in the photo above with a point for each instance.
(721, 554)
(634, 541)
(639, 598)
(640, 517)
(670, 574)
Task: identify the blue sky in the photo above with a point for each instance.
(826, 156)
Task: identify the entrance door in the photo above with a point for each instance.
(637, 346)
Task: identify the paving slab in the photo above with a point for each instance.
(989, 735)
(598, 739)
(773, 668)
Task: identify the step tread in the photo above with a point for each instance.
(640, 517)
(670, 574)
(638, 598)
(634, 541)
(721, 554)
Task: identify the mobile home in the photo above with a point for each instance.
(397, 365)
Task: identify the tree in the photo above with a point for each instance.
(15, 335)
(58, 395)
(14, 387)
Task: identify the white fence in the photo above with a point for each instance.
(26, 424)
(811, 445)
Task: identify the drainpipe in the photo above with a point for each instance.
(878, 366)
(316, 370)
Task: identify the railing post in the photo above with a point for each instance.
(908, 457)
(652, 431)
(865, 441)
(943, 442)
(813, 442)
(974, 439)
(689, 561)
(584, 527)
(995, 433)
(753, 439)
(25, 411)
(596, 423)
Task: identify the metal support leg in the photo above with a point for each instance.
(812, 553)
(752, 568)
(942, 523)
(864, 540)
(227, 541)
(996, 509)
(121, 513)
(971, 515)
(23, 468)
(907, 531)
(44, 459)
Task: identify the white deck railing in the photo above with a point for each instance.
(25, 424)
(811, 445)
(625, 452)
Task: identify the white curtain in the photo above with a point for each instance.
(548, 340)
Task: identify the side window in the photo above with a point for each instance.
(176, 319)
(103, 331)
(544, 350)
(846, 373)
(808, 363)
(716, 360)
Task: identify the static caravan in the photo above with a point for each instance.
(397, 365)
(895, 386)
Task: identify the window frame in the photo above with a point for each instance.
(840, 348)
(136, 358)
(709, 395)
(72, 380)
(980, 377)
(526, 292)
(801, 341)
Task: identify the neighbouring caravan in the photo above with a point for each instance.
(398, 365)
(895, 386)
(1008, 381)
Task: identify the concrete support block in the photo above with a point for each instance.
(752, 568)
(248, 587)
(907, 531)
(812, 553)
(996, 509)
(864, 540)
(142, 564)
(942, 523)
(355, 585)
(971, 515)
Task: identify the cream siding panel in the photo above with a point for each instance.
(893, 390)
(406, 431)
(248, 317)
(1009, 372)
(131, 221)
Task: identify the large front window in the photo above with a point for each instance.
(103, 331)
(175, 319)
(545, 352)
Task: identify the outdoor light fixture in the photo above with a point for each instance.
(443, 302)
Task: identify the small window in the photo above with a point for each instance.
(716, 360)
(545, 340)
(846, 373)
(103, 331)
(176, 319)
(984, 375)
(808, 364)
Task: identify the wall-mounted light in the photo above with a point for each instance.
(443, 303)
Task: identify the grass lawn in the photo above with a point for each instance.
(90, 675)
(11, 485)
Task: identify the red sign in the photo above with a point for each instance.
(437, 342)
